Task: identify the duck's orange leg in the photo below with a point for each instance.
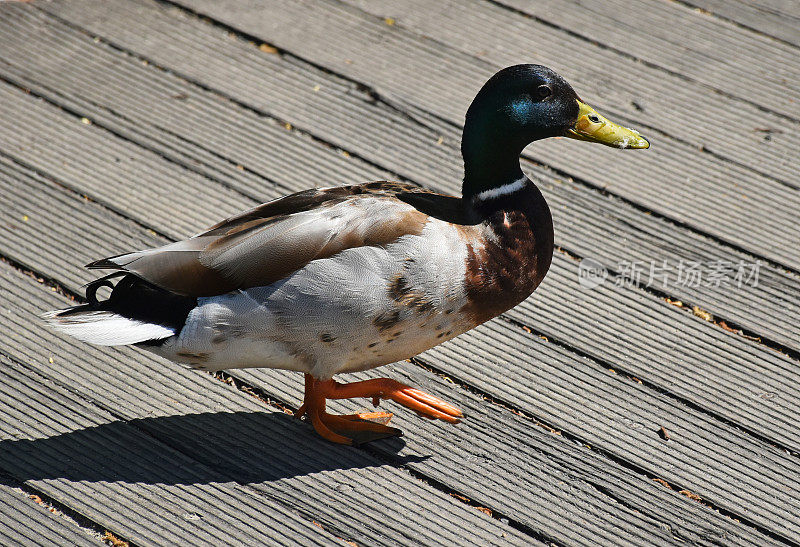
(360, 428)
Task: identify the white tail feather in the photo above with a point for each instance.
(105, 328)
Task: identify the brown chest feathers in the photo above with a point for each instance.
(512, 262)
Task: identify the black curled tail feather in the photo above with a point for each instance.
(133, 304)
(92, 303)
(134, 298)
(92, 287)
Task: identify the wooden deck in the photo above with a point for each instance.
(633, 412)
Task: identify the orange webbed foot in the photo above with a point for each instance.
(354, 429)
(365, 427)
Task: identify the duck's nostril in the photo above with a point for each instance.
(593, 118)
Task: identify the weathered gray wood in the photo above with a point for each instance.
(23, 521)
(777, 19)
(762, 405)
(622, 417)
(668, 35)
(118, 476)
(507, 459)
(691, 113)
(33, 207)
(587, 223)
(528, 370)
(722, 372)
(160, 111)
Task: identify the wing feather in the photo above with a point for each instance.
(270, 242)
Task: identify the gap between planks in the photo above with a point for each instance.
(734, 21)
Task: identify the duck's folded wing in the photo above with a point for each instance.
(259, 247)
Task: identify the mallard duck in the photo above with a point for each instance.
(348, 278)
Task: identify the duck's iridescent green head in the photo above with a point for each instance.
(519, 105)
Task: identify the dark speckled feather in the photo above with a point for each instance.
(512, 263)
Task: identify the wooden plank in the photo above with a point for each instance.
(781, 23)
(667, 35)
(609, 232)
(725, 374)
(756, 406)
(503, 458)
(500, 455)
(618, 415)
(24, 521)
(117, 476)
(740, 162)
(528, 373)
(185, 123)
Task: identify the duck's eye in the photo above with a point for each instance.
(543, 91)
(593, 118)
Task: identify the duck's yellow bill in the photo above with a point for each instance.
(593, 127)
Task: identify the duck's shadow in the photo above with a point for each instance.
(243, 447)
